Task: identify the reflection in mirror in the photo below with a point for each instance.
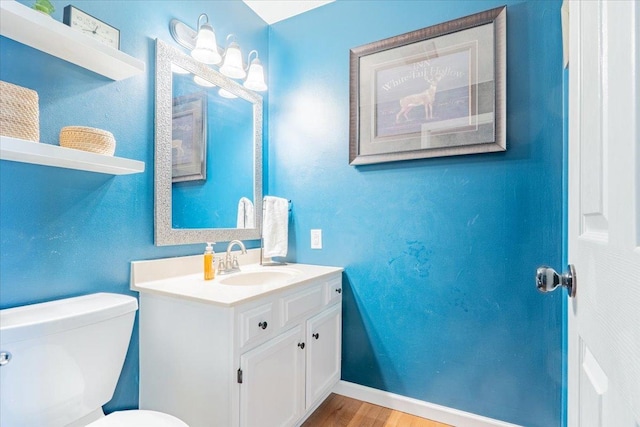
(209, 178)
(208, 152)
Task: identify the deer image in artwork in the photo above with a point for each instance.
(176, 144)
(426, 98)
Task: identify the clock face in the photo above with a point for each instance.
(92, 27)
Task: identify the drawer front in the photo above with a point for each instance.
(301, 303)
(257, 323)
(333, 290)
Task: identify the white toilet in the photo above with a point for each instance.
(60, 362)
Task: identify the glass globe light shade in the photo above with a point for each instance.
(202, 82)
(206, 50)
(255, 77)
(226, 94)
(178, 69)
(232, 65)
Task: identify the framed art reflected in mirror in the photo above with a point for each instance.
(189, 138)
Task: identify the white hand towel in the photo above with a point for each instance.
(246, 218)
(275, 228)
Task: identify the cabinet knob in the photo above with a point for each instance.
(316, 335)
(301, 345)
(339, 290)
(263, 325)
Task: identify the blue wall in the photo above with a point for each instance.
(439, 254)
(65, 233)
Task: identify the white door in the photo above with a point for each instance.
(272, 389)
(604, 211)
(324, 339)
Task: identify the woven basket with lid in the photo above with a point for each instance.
(88, 139)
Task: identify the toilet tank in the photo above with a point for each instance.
(65, 358)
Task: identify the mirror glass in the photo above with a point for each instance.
(208, 161)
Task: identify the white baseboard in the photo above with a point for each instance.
(416, 407)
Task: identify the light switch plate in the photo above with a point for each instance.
(316, 239)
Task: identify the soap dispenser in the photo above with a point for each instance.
(209, 259)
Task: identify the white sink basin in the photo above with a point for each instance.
(262, 277)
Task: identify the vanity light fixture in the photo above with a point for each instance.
(204, 48)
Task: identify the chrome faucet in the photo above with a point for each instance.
(228, 264)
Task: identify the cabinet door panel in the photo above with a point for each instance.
(272, 391)
(324, 338)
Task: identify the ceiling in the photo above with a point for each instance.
(272, 11)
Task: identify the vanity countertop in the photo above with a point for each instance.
(182, 277)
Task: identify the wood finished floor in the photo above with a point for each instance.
(342, 411)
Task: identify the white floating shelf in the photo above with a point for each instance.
(20, 150)
(35, 29)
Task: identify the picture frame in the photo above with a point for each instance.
(437, 91)
(189, 138)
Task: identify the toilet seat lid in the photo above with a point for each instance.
(138, 418)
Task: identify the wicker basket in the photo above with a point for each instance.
(19, 112)
(88, 139)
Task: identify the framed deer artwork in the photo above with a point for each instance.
(438, 91)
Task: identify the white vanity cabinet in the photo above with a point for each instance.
(269, 361)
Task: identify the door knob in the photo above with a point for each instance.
(5, 357)
(547, 279)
